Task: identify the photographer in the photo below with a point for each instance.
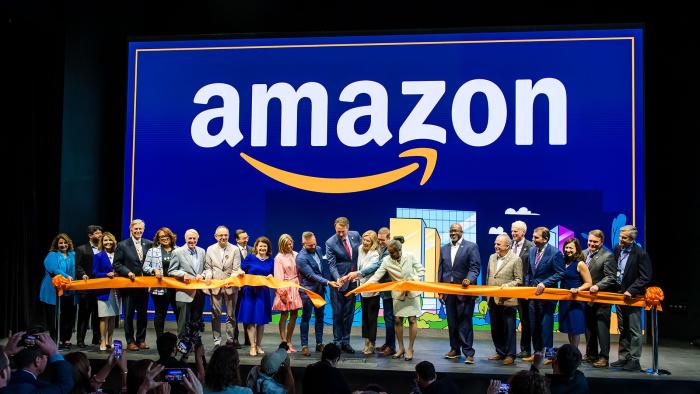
(167, 345)
(31, 361)
(84, 381)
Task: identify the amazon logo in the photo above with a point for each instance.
(413, 127)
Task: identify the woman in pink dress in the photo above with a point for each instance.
(287, 300)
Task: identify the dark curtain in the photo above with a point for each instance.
(31, 132)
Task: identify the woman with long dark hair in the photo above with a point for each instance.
(223, 374)
(576, 278)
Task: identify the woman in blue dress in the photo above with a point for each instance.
(256, 301)
(59, 261)
(577, 278)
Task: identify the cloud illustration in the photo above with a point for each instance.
(522, 211)
(496, 230)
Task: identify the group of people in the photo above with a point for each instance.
(350, 260)
(517, 261)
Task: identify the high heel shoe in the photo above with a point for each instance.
(259, 350)
(398, 355)
(252, 351)
(407, 357)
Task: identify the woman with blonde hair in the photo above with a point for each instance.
(108, 301)
(366, 256)
(287, 300)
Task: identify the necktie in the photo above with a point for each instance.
(347, 247)
(139, 250)
(538, 257)
(515, 248)
(244, 251)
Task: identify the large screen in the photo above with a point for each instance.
(283, 135)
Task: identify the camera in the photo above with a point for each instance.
(29, 337)
(173, 375)
(191, 337)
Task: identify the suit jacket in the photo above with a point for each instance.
(550, 269)
(217, 268)
(83, 261)
(126, 259)
(24, 382)
(100, 268)
(467, 264)
(338, 260)
(310, 276)
(525, 257)
(408, 268)
(637, 274)
(181, 263)
(510, 274)
(603, 268)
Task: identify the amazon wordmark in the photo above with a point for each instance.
(413, 127)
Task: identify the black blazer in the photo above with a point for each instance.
(603, 268)
(525, 257)
(83, 261)
(127, 260)
(637, 273)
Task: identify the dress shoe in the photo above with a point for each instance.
(632, 366)
(523, 354)
(529, 359)
(381, 348)
(508, 361)
(469, 360)
(319, 347)
(452, 354)
(347, 348)
(388, 352)
(589, 359)
(602, 362)
(305, 351)
(619, 363)
(496, 357)
(81, 345)
(132, 346)
(143, 346)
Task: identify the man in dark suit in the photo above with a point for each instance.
(459, 263)
(341, 251)
(314, 273)
(128, 262)
(87, 308)
(546, 270)
(602, 266)
(521, 248)
(32, 361)
(633, 276)
(242, 238)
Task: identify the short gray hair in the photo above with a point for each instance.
(519, 224)
(191, 230)
(632, 230)
(506, 238)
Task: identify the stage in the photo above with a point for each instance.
(397, 375)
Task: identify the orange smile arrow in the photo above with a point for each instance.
(348, 185)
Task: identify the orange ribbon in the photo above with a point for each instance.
(61, 284)
(653, 297)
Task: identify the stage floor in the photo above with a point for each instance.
(679, 358)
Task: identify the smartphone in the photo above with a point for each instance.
(28, 340)
(117, 345)
(173, 375)
(504, 388)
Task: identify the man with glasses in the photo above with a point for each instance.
(633, 275)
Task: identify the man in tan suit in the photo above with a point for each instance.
(222, 261)
(505, 269)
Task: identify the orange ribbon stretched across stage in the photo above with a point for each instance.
(652, 298)
(61, 284)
